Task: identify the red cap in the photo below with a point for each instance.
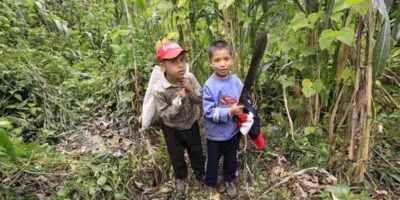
(168, 50)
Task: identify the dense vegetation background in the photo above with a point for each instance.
(73, 75)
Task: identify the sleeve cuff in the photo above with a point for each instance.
(224, 114)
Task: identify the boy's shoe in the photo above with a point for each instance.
(180, 186)
(220, 188)
(198, 186)
(212, 193)
(231, 189)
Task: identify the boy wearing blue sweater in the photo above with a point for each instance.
(221, 94)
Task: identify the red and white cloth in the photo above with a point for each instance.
(245, 121)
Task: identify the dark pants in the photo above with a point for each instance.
(216, 149)
(179, 140)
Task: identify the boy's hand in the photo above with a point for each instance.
(236, 109)
(182, 92)
(187, 85)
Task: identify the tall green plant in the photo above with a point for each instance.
(5, 142)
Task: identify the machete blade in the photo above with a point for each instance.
(258, 52)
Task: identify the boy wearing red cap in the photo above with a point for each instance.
(177, 97)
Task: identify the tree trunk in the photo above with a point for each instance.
(361, 116)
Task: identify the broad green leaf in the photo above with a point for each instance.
(313, 17)
(308, 89)
(6, 144)
(337, 17)
(318, 85)
(116, 47)
(181, 3)
(4, 20)
(29, 2)
(4, 123)
(224, 4)
(309, 130)
(141, 4)
(382, 46)
(299, 66)
(360, 6)
(299, 21)
(92, 190)
(308, 52)
(339, 192)
(18, 96)
(286, 81)
(381, 50)
(307, 83)
(123, 32)
(119, 33)
(107, 188)
(102, 180)
(119, 196)
(62, 192)
(326, 38)
(340, 5)
(346, 35)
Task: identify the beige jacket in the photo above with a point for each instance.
(173, 110)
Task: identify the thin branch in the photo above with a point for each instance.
(391, 99)
(333, 115)
(344, 116)
(288, 114)
(386, 161)
(392, 79)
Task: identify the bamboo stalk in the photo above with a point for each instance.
(355, 96)
(365, 102)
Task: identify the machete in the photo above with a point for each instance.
(258, 52)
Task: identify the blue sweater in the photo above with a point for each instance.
(218, 95)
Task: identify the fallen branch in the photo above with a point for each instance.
(287, 178)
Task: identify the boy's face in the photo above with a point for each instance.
(221, 62)
(175, 68)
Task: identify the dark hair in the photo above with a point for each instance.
(218, 45)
